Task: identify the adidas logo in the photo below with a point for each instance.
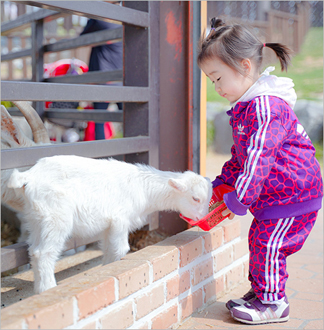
(241, 129)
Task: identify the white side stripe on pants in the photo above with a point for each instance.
(273, 246)
(277, 257)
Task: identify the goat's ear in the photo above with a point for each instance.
(11, 134)
(177, 185)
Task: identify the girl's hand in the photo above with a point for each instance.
(226, 212)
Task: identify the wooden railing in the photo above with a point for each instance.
(139, 93)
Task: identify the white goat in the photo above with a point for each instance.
(13, 137)
(71, 195)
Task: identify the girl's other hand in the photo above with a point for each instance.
(226, 212)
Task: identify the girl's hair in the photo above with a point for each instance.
(233, 43)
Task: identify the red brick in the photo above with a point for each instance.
(120, 318)
(146, 303)
(93, 289)
(191, 303)
(232, 229)
(214, 289)
(210, 291)
(246, 268)
(189, 243)
(190, 252)
(185, 281)
(144, 325)
(166, 319)
(52, 317)
(46, 310)
(203, 271)
(90, 325)
(164, 259)
(132, 275)
(165, 264)
(173, 287)
(13, 324)
(214, 239)
(220, 286)
(97, 297)
(224, 258)
(178, 285)
(133, 280)
(234, 276)
(241, 248)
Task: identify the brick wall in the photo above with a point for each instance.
(155, 288)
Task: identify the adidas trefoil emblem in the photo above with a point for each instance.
(241, 129)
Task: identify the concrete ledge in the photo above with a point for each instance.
(155, 288)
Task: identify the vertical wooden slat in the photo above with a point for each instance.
(136, 70)
(154, 85)
(196, 80)
(10, 64)
(37, 58)
(143, 70)
(24, 68)
(154, 82)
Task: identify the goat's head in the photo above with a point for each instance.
(193, 193)
(13, 137)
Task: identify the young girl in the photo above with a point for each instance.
(273, 166)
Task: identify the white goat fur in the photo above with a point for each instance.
(71, 195)
(12, 136)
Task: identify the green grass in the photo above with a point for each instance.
(306, 70)
(319, 152)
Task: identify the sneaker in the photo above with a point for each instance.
(241, 301)
(256, 312)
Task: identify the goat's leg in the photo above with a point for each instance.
(23, 232)
(114, 244)
(43, 256)
(23, 238)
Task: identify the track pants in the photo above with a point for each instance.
(270, 243)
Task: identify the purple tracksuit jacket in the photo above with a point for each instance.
(273, 166)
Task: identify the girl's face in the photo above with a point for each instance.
(229, 83)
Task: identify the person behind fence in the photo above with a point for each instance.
(107, 57)
(272, 167)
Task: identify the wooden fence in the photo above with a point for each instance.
(147, 136)
(139, 93)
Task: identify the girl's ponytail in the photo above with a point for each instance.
(283, 53)
(216, 22)
(217, 27)
(234, 43)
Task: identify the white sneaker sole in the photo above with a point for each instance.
(283, 319)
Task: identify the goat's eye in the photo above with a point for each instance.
(196, 199)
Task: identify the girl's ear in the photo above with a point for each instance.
(247, 66)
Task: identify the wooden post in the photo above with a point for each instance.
(143, 70)
(203, 99)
